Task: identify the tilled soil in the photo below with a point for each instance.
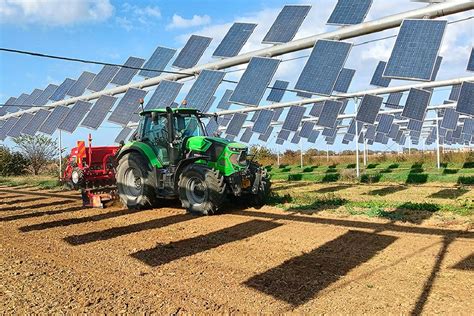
(58, 257)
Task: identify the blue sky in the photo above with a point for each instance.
(111, 31)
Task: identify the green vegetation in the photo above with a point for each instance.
(44, 182)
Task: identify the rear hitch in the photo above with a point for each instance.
(258, 178)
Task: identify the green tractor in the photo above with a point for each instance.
(171, 156)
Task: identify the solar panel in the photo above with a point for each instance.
(224, 103)
(204, 88)
(293, 118)
(164, 95)
(329, 132)
(379, 137)
(329, 113)
(394, 99)
(370, 132)
(230, 137)
(466, 99)
(280, 141)
(211, 126)
(368, 109)
(348, 12)
(15, 131)
(75, 116)
(50, 125)
(247, 134)
(234, 40)
(378, 79)
(414, 125)
(123, 135)
(157, 62)
(103, 78)
(344, 80)
(224, 120)
(79, 87)
(286, 24)
(263, 121)
(278, 90)
(283, 134)
(306, 129)
(32, 127)
(191, 53)
(99, 111)
(352, 127)
(313, 137)
(20, 102)
(385, 123)
(322, 69)
(450, 119)
(468, 127)
(7, 106)
(416, 49)
(316, 109)
(128, 105)
(277, 113)
(32, 97)
(455, 90)
(439, 60)
(470, 64)
(236, 123)
(416, 105)
(254, 81)
(125, 75)
(305, 95)
(43, 98)
(266, 136)
(456, 132)
(9, 123)
(61, 91)
(296, 138)
(348, 138)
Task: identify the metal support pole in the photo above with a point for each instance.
(327, 152)
(409, 147)
(60, 156)
(438, 156)
(278, 158)
(356, 108)
(301, 154)
(365, 152)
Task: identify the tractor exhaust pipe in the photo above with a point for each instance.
(173, 152)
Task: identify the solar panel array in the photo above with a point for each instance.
(236, 123)
(128, 105)
(263, 121)
(191, 53)
(15, 131)
(466, 99)
(329, 113)
(164, 95)
(125, 74)
(344, 80)
(278, 91)
(61, 91)
(50, 125)
(368, 109)
(79, 87)
(286, 24)
(416, 49)
(293, 118)
(234, 40)
(203, 89)
(75, 116)
(348, 12)
(322, 69)
(378, 79)
(254, 81)
(43, 98)
(36, 122)
(157, 62)
(103, 78)
(416, 105)
(99, 111)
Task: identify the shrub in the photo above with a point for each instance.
(443, 165)
(286, 169)
(268, 168)
(282, 166)
(331, 177)
(468, 180)
(351, 166)
(370, 178)
(295, 177)
(429, 207)
(417, 178)
(416, 170)
(394, 166)
(348, 175)
(450, 171)
(468, 165)
(372, 166)
(308, 169)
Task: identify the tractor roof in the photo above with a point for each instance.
(175, 110)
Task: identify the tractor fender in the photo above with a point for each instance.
(145, 150)
(183, 164)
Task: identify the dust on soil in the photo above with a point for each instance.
(58, 257)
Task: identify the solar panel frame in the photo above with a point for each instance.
(157, 62)
(224, 103)
(278, 91)
(127, 106)
(416, 104)
(234, 40)
(349, 12)
(123, 135)
(164, 95)
(465, 103)
(263, 121)
(470, 63)
(468, 126)
(99, 112)
(103, 78)
(203, 89)
(35, 123)
(287, 24)
(60, 93)
(43, 98)
(378, 79)
(329, 113)
(236, 123)
(323, 67)
(293, 118)
(254, 81)
(125, 75)
(192, 51)
(75, 116)
(368, 108)
(22, 122)
(79, 87)
(344, 80)
(417, 45)
(55, 118)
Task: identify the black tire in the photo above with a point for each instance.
(135, 182)
(201, 189)
(261, 197)
(77, 178)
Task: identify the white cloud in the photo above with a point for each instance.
(54, 12)
(133, 16)
(178, 22)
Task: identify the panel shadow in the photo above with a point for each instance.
(466, 264)
(39, 214)
(387, 190)
(449, 193)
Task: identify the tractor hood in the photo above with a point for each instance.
(204, 143)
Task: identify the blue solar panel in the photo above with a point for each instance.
(35, 123)
(306, 129)
(277, 113)
(287, 24)
(15, 131)
(466, 99)
(305, 95)
(393, 131)
(470, 64)
(128, 105)
(204, 88)
(32, 97)
(224, 120)
(450, 119)
(368, 109)
(164, 95)
(247, 134)
(329, 132)
(416, 105)
(455, 90)
(211, 126)
(75, 116)
(103, 78)
(352, 127)
(323, 67)
(313, 137)
(316, 109)
(414, 125)
(123, 135)
(344, 80)
(394, 99)
(79, 87)
(370, 132)
(279, 141)
(43, 98)
(439, 60)
(157, 62)
(191, 53)
(348, 138)
(99, 112)
(7, 106)
(379, 137)
(61, 91)
(416, 49)
(283, 134)
(9, 123)
(329, 113)
(206, 108)
(293, 118)
(468, 127)
(20, 102)
(266, 136)
(263, 121)
(278, 90)
(234, 40)
(236, 123)
(378, 79)
(54, 119)
(349, 12)
(224, 103)
(125, 74)
(254, 81)
(296, 138)
(385, 123)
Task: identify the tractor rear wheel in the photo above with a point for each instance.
(135, 182)
(201, 189)
(260, 198)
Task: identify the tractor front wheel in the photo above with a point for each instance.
(201, 189)
(135, 182)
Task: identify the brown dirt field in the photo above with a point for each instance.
(58, 257)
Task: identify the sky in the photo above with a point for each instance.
(111, 31)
